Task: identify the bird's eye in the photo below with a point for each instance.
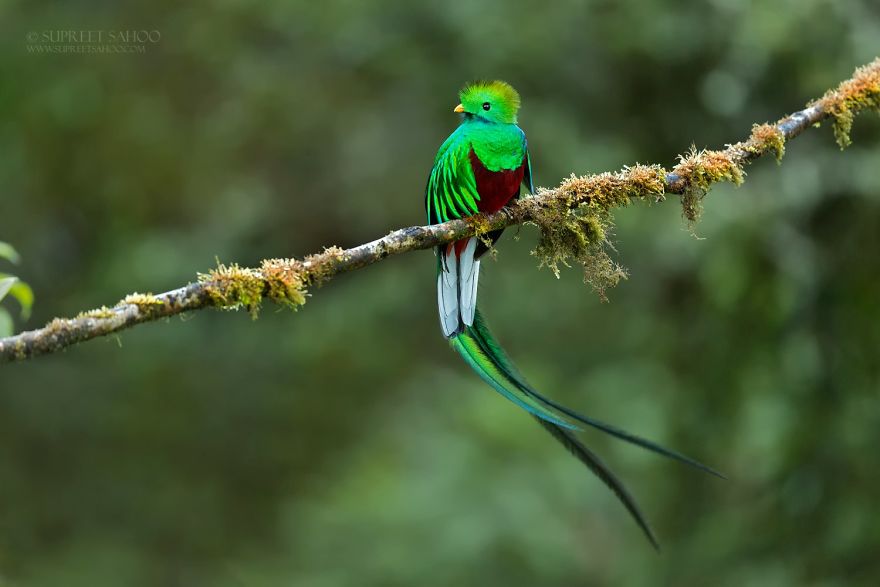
(486, 106)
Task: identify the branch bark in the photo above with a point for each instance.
(286, 280)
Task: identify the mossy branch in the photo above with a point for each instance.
(574, 219)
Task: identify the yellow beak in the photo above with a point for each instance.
(459, 108)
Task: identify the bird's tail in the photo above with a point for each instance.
(486, 357)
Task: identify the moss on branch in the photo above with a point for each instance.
(576, 220)
(861, 92)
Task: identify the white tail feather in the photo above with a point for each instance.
(457, 288)
(447, 293)
(469, 271)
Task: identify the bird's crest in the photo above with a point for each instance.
(496, 88)
(502, 100)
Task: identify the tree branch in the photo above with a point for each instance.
(573, 219)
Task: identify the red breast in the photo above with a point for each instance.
(496, 188)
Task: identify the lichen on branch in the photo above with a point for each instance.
(283, 281)
(576, 224)
(861, 92)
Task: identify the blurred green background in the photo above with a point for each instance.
(345, 444)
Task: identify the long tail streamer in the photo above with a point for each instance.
(486, 357)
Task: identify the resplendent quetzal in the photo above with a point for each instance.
(479, 168)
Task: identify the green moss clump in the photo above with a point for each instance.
(579, 235)
(701, 169)
(576, 225)
(861, 92)
(482, 228)
(145, 302)
(285, 279)
(99, 313)
(764, 138)
(692, 205)
(322, 266)
(842, 126)
(566, 234)
(233, 287)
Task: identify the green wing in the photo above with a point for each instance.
(452, 189)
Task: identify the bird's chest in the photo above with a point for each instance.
(495, 188)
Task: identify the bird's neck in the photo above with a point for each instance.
(499, 146)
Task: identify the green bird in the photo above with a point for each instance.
(480, 169)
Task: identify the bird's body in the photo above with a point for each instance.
(480, 168)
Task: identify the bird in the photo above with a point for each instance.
(479, 169)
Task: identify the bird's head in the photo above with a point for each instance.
(493, 101)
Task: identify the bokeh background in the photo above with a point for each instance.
(345, 444)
